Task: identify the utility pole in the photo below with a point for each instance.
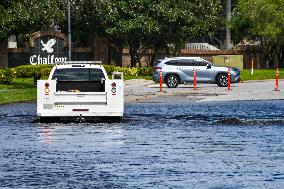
(228, 19)
(69, 30)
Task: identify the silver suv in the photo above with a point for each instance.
(178, 70)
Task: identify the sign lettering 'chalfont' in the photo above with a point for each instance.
(46, 55)
(37, 59)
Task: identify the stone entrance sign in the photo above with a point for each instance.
(47, 48)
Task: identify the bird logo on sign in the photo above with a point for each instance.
(48, 46)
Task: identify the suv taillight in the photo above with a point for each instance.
(157, 68)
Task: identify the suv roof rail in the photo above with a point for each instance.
(78, 62)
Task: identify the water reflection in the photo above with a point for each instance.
(46, 135)
(93, 134)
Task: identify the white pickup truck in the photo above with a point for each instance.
(80, 90)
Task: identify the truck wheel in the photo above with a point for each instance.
(172, 81)
(222, 80)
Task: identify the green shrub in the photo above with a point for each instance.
(143, 71)
(130, 71)
(127, 71)
(30, 71)
(45, 71)
(6, 76)
(109, 69)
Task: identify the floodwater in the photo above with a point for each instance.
(177, 145)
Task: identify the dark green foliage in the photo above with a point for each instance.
(28, 16)
(261, 21)
(138, 24)
(144, 24)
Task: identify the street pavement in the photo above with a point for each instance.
(148, 91)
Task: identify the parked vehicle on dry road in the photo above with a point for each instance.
(178, 70)
(80, 91)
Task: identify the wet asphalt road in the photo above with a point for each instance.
(175, 145)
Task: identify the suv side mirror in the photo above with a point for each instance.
(208, 66)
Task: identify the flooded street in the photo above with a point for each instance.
(158, 145)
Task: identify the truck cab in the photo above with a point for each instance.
(80, 90)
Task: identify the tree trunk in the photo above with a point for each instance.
(132, 56)
(141, 52)
(269, 51)
(281, 63)
(228, 17)
(280, 55)
(154, 56)
(136, 52)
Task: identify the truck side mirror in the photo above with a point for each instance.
(102, 80)
(208, 66)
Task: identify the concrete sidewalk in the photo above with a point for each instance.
(148, 91)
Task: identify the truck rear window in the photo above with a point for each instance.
(78, 74)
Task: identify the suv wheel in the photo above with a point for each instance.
(222, 80)
(172, 81)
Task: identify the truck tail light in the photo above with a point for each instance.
(113, 88)
(46, 88)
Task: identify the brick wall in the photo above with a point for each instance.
(248, 53)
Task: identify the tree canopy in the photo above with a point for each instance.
(261, 20)
(28, 15)
(146, 24)
(139, 24)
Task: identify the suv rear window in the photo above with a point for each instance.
(172, 63)
(78, 74)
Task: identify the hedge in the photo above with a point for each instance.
(127, 71)
(31, 71)
(6, 76)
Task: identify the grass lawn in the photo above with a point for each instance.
(21, 83)
(17, 95)
(18, 91)
(261, 74)
(148, 77)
